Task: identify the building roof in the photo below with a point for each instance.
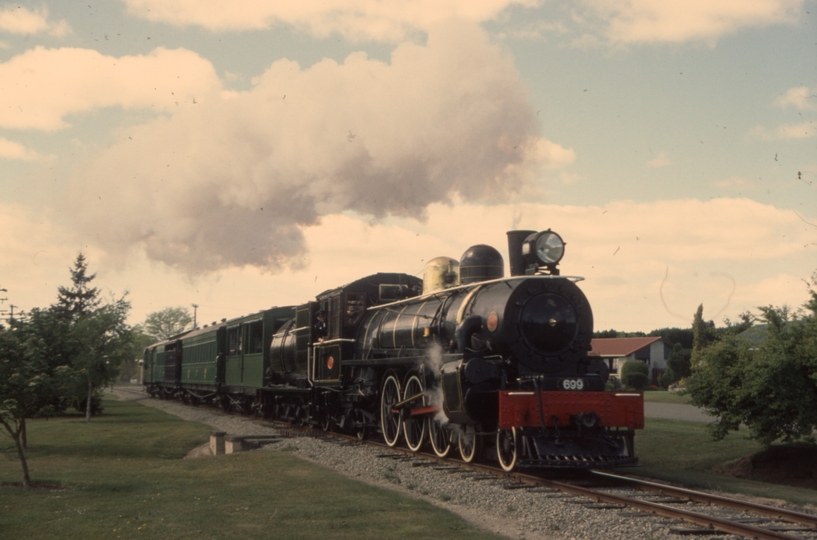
(617, 347)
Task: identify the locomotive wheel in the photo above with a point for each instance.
(414, 427)
(470, 443)
(440, 437)
(507, 448)
(305, 418)
(390, 421)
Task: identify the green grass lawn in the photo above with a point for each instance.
(662, 396)
(684, 452)
(122, 476)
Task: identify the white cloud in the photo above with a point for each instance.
(389, 20)
(802, 130)
(19, 20)
(650, 264)
(16, 151)
(36, 254)
(735, 183)
(653, 21)
(661, 160)
(801, 97)
(42, 86)
(235, 180)
(646, 265)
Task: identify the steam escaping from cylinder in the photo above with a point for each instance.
(433, 361)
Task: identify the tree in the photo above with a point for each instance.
(50, 334)
(678, 365)
(673, 336)
(703, 332)
(31, 386)
(80, 299)
(168, 322)
(771, 389)
(635, 374)
(130, 368)
(605, 333)
(105, 341)
(99, 336)
(746, 322)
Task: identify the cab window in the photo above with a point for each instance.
(355, 308)
(255, 337)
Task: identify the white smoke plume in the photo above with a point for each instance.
(434, 362)
(233, 179)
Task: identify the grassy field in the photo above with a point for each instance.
(684, 452)
(662, 396)
(122, 476)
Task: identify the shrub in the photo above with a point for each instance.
(612, 384)
(635, 374)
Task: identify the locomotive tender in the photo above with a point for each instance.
(495, 366)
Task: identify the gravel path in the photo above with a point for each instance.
(512, 513)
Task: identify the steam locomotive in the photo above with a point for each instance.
(496, 367)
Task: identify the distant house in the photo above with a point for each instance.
(651, 350)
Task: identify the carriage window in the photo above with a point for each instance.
(233, 343)
(255, 333)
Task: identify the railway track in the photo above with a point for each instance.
(694, 512)
(749, 520)
(778, 523)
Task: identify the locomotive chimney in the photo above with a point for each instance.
(516, 260)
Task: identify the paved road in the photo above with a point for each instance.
(675, 411)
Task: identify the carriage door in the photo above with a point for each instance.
(232, 375)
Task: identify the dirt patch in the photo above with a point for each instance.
(199, 452)
(789, 464)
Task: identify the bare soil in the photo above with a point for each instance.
(789, 464)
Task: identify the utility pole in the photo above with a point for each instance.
(195, 307)
(4, 311)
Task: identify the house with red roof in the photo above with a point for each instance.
(654, 351)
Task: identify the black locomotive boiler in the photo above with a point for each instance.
(466, 358)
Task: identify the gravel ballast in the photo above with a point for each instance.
(512, 513)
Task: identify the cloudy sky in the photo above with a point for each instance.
(251, 153)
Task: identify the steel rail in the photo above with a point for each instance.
(740, 529)
(708, 498)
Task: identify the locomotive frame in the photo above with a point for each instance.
(495, 366)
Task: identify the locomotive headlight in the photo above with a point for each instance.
(543, 249)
